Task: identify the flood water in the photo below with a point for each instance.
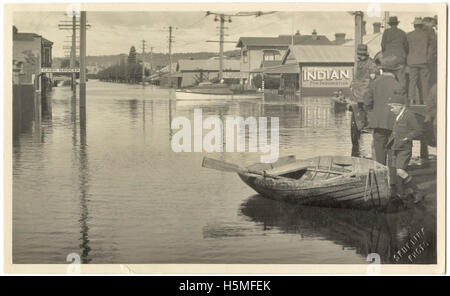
(113, 190)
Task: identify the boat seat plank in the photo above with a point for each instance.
(297, 166)
(289, 168)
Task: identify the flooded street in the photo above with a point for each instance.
(115, 192)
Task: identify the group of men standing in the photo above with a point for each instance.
(407, 77)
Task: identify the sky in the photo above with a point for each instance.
(115, 32)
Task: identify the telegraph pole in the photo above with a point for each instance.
(171, 40)
(151, 60)
(83, 65)
(386, 19)
(72, 26)
(221, 32)
(358, 34)
(220, 17)
(143, 63)
(170, 56)
(74, 52)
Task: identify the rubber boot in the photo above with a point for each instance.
(400, 188)
(413, 190)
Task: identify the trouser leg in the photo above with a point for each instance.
(424, 76)
(380, 138)
(412, 85)
(423, 149)
(401, 76)
(355, 136)
(391, 167)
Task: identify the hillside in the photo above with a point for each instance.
(158, 59)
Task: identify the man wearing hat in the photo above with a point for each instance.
(380, 117)
(428, 25)
(366, 71)
(420, 43)
(405, 129)
(366, 68)
(394, 43)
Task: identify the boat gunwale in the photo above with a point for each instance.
(295, 181)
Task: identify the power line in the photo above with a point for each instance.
(222, 18)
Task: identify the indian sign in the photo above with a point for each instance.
(339, 76)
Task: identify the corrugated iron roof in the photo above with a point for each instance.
(25, 36)
(321, 54)
(207, 65)
(280, 69)
(284, 40)
(30, 37)
(266, 64)
(166, 68)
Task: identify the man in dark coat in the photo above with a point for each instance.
(431, 115)
(419, 60)
(366, 71)
(380, 118)
(394, 43)
(428, 25)
(405, 129)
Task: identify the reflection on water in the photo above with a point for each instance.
(365, 232)
(107, 185)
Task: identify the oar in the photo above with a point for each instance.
(231, 167)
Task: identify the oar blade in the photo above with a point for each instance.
(220, 165)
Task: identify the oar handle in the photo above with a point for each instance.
(263, 173)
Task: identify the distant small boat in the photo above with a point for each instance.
(206, 91)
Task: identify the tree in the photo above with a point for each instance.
(66, 63)
(132, 56)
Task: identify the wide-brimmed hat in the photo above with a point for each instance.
(427, 19)
(362, 49)
(399, 97)
(390, 63)
(393, 20)
(418, 21)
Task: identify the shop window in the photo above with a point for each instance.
(272, 55)
(245, 56)
(46, 56)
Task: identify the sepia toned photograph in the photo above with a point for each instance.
(225, 138)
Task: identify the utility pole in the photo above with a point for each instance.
(386, 19)
(151, 60)
(143, 61)
(73, 52)
(170, 56)
(220, 17)
(221, 32)
(83, 65)
(72, 26)
(358, 34)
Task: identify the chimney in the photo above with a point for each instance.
(297, 33)
(314, 35)
(376, 27)
(15, 30)
(339, 38)
(363, 29)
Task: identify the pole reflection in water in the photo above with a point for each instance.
(84, 187)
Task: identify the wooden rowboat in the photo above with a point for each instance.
(329, 181)
(207, 91)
